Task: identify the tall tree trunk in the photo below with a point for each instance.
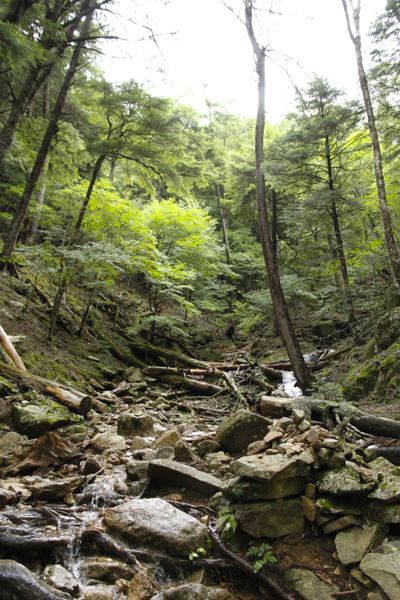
(273, 220)
(51, 130)
(16, 10)
(42, 189)
(380, 182)
(338, 236)
(223, 222)
(112, 167)
(302, 373)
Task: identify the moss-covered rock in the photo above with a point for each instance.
(387, 330)
(370, 349)
(326, 330)
(6, 387)
(35, 419)
(238, 431)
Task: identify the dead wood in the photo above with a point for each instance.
(313, 366)
(392, 454)
(10, 350)
(200, 387)
(24, 538)
(244, 565)
(77, 401)
(163, 336)
(229, 380)
(272, 372)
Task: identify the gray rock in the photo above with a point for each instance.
(9, 441)
(183, 452)
(61, 579)
(48, 489)
(91, 466)
(308, 585)
(98, 592)
(243, 489)
(385, 570)
(207, 447)
(342, 481)
(196, 591)
(108, 570)
(241, 429)
(388, 488)
(18, 582)
(273, 467)
(353, 544)
(339, 524)
(155, 523)
(137, 469)
(167, 438)
(75, 433)
(270, 519)
(34, 420)
(108, 441)
(383, 513)
(176, 474)
(135, 425)
(335, 507)
(141, 587)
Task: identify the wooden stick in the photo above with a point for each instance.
(9, 348)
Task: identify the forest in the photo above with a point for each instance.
(163, 271)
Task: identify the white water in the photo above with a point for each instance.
(288, 384)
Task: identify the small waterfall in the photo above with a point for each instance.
(289, 385)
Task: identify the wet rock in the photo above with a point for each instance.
(34, 420)
(157, 524)
(99, 592)
(91, 466)
(207, 447)
(75, 433)
(343, 481)
(276, 467)
(308, 585)
(183, 452)
(48, 489)
(16, 582)
(172, 473)
(385, 570)
(108, 570)
(141, 587)
(61, 579)
(201, 577)
(196, 591)
(108, 441)
(243, 489)
(270, 519)
(353, 544)
(137, 469)
(9, 441)
(241, 429)
(168, 438)
(135, 425)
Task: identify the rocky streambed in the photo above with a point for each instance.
(161, 495)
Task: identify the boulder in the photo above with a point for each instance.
(385, 570)
(241, 429)
(207, 447)
(141, 587)
(48, 489)
(167, 438)
(75, 433)
(34, 420)
(270, 519)
(275, 467)
(137, 469)
(108, 441)
(343, 481)
(17, 581)
(308, 585)
(244, 489)
(98, 592)
(176, 474)
(9, 441)
(61, 579)
(382, 513)
(157, 524)
(108, 570)
(353, 544)
(130, 425)
(388, 487)
(183, 452)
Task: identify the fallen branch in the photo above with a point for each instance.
(10, 350)
(77, 401)
(235, 390)
(23, 538)
(201, 387)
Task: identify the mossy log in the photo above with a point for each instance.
(326, 411)
(77, 401)
(194, 385)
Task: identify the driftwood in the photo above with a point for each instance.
(16, 581)
(77, 401)
(10, 350)
(326, 411)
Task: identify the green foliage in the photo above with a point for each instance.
(199, 551)
(226, 517)
(263, 553)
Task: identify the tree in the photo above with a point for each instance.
(314, 154)
(284, 322)
(355, 37)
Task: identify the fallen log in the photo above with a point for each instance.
(271, 372)
(326, 412)
(23, 538)
(200, 387)
(77, 401)
(392, 454)
(163, 336)
(10, 350)
(235, 390)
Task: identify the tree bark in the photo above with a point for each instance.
(52, 127)
(223, 223)
(302, 373)
(380, 182)
(10, 350)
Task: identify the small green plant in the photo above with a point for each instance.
(111, 408)
(227, 518)
(196, 554)
(263, 553)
